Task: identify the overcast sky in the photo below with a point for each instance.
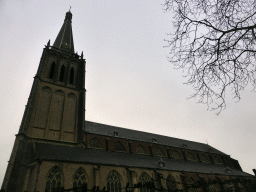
(129, 81)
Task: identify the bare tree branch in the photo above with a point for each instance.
(214, 44)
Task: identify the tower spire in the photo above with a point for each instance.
(64, 40)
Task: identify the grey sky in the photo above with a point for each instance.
(128, 79)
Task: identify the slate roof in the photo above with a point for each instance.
(107, 130)
(65, 36)
(56, 152)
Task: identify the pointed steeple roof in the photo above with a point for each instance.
(64, 40)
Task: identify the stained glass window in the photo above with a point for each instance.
(144, 178)
(79, 179)
(191, 157)
(119, 146)
(176, 155)
(95, 143)
(54, 179)
(140, 150)
(192, 187)
(114, 182)
(171, 183)
(159, 152)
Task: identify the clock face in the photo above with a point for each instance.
(66, 45)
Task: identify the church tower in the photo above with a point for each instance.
(55, 111)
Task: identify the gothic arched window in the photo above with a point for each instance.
(144, 179)
(79, 179)
(191, 157)
(114, 182)
(95, 143)
(159, 152)
(192, 187)
(52, 70)
(176, 155)
(171, 183)
(71, 76)
(119, 146)
(216, 160)
(54, 179)
(140, 150)
(204, 159)
(62, 73)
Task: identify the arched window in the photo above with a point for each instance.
(71, 76)
(216, 160)
(79, 179)
(191, 157)
(204, 159)
(212, 188)
(119, 146)
(159, 152)
(54, 179)
(52, 70)
(192, 187)
(95, 143)
(176, 155)
(171, 183)
(140, 150)
(144, 179)
(62, 73)
(114, 182)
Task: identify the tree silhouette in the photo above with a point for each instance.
(214, 44)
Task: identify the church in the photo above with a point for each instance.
(56, 149)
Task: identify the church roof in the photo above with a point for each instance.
(55, 152)
(112, 131)
(64, 40)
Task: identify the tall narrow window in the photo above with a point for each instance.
(62, 73)
(171, 183)
(51, 74)
(54, 180)
(192, 185)
(145, 179)
(79, 178)
(114, 182)
(71, 76)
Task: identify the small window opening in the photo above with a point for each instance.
(62, 72)
(51, 75)
(115, 133)
(71, 77)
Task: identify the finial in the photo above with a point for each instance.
(69, 8)
(82, 55)
(48, 44)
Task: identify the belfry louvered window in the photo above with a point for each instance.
(54, 180)
(71, 76)
(62, 73)
(114, 182)
(52, 71)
